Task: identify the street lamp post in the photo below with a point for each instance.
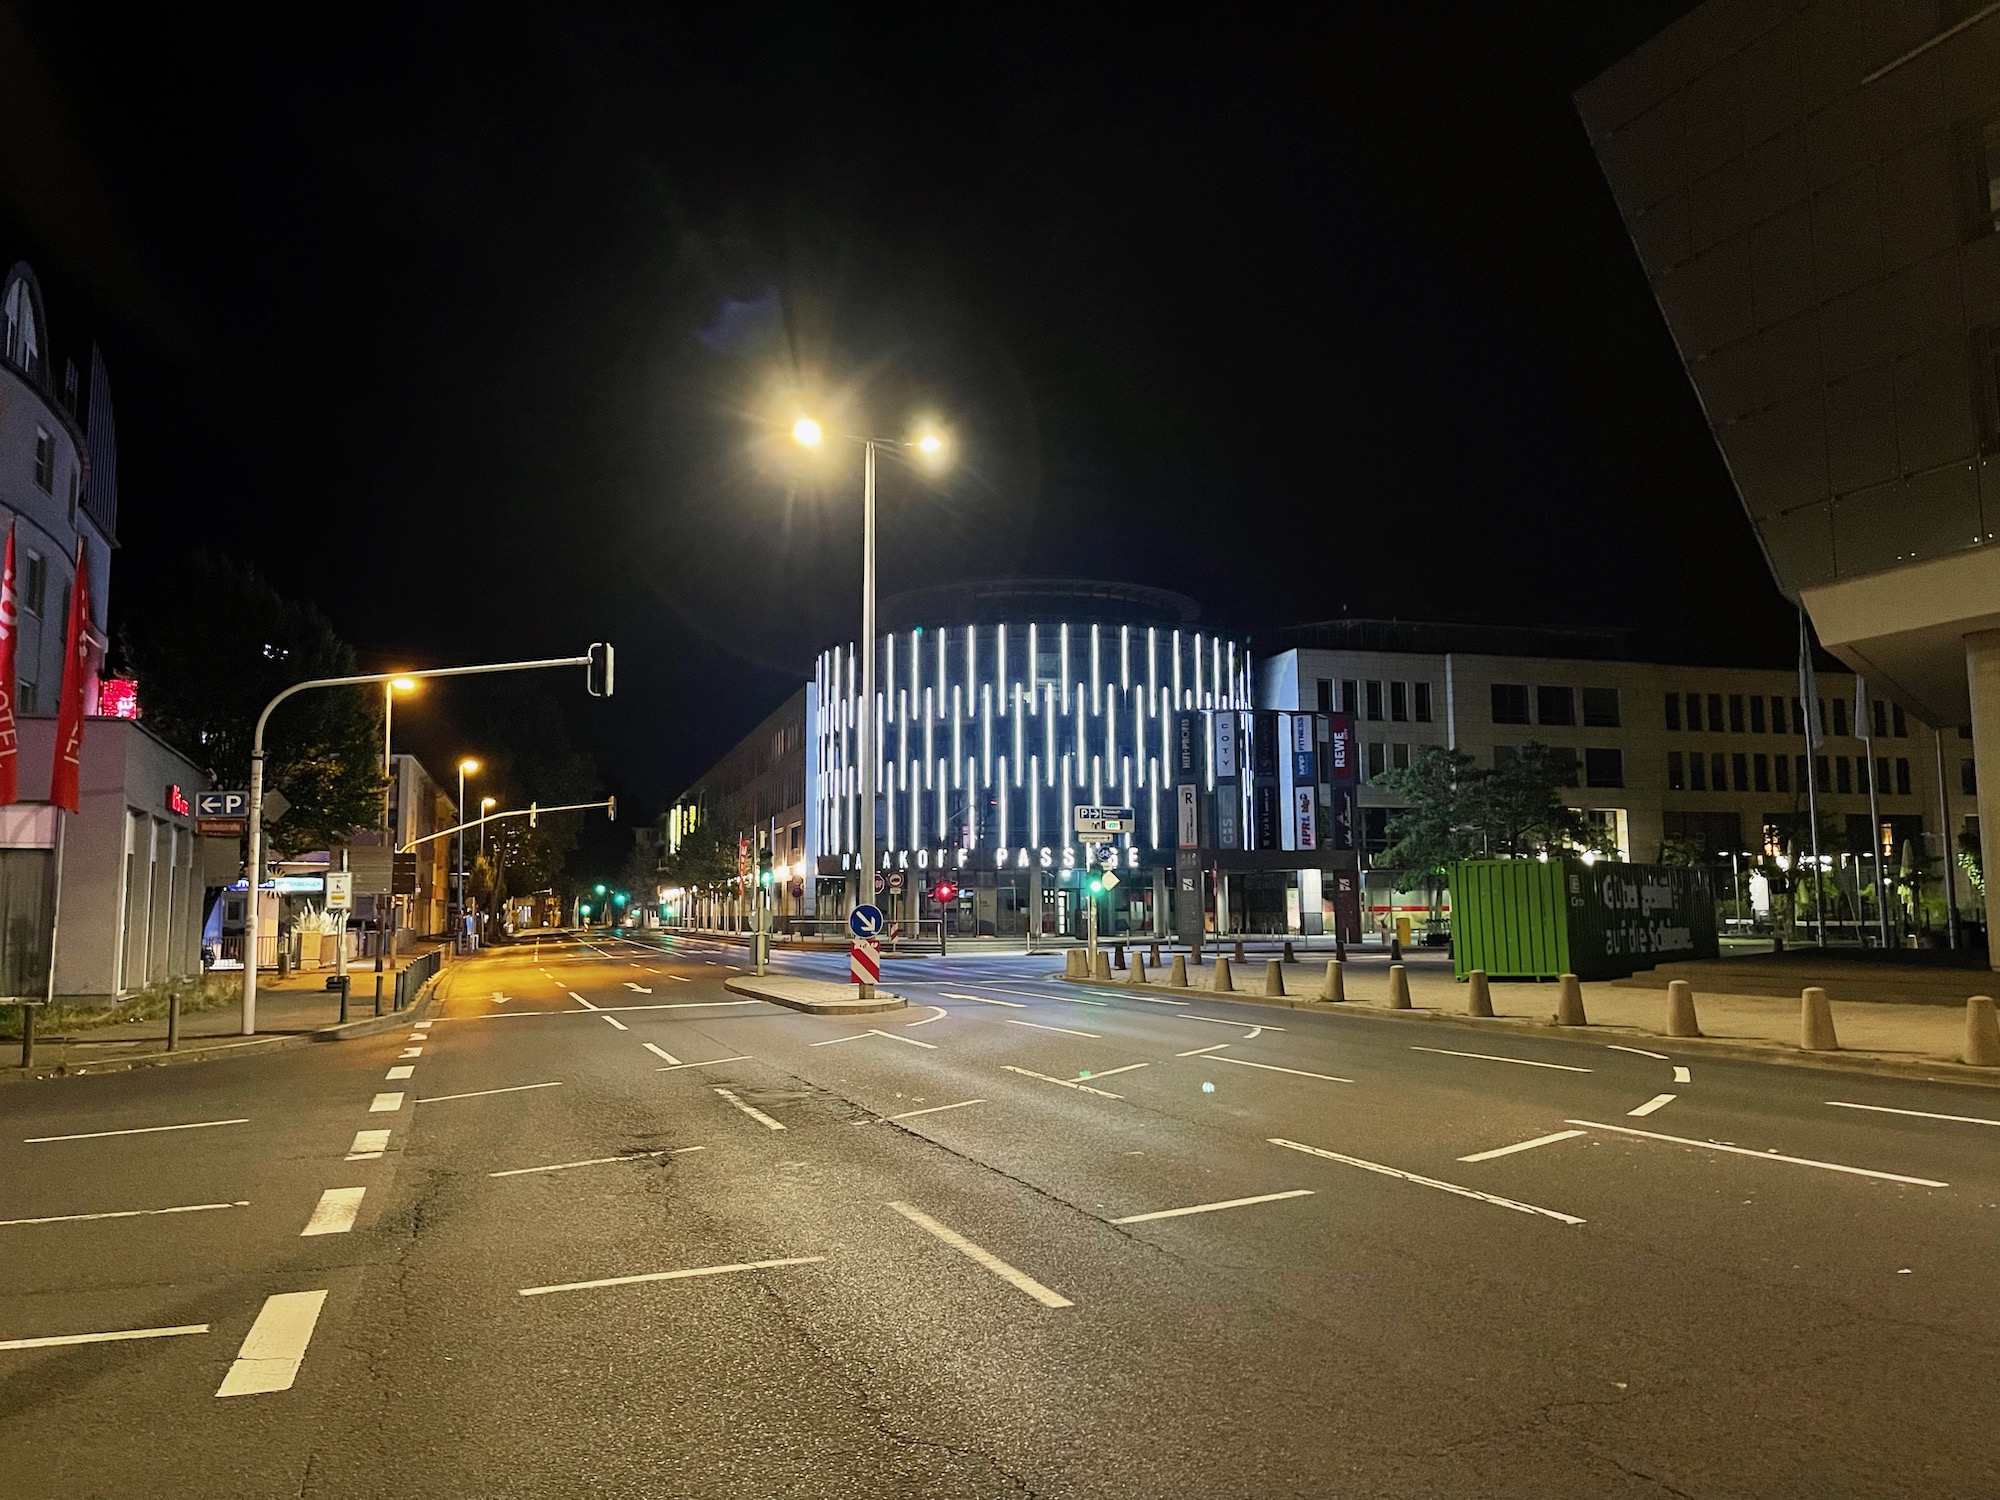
(468, 764)
(486, 805)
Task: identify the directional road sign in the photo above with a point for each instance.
(222, 804)
(339, 889)
(1105, 820)
(865, 921)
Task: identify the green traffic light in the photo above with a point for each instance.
(621, 898)
(1096, 886)
(600, 890)
(583, 911)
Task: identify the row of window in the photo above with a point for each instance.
(1746, 715)
(1718, 772)
(1555, 705)
(45, 470)
(1597, 767)
(1398, 702)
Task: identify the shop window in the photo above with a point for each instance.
(1694, 712)
(1735, 713)
(1782, 764)
(1422, 701)
(1697, 772)
(1555, 705)
(1676, 770)
(1604, 767)
(1374, 829)
(1375, 701)
(1760, 768)
(1756, 713)
(1718, 771)
(1673, 710)
(1399, 702)
(1778, 715)
(1739, 766)
(1902, 777)
(1843, 777)
(1510, 703)
(1600, 708)
(1840, 716)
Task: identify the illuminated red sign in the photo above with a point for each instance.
(118, 698)
(177, 801)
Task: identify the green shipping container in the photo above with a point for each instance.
(1526, 919)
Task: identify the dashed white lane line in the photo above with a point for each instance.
(275, 1347)
(421, 1026)
(680, 979)
(1204, 1051)
(1209, 1208)
(594, 1161)
(515, 1015)
(1065, 1030)
(1274, 1068)
(1090, 1073)
(411, 1052)
(935, 1109)
(707, 1063)
(659, 1051)
(383, 1104)
(1253, 1028)
(95, 1135)
(1018, 1279)
(1797, 1161)
(1682, 1075)
(125, 1213)
(581, 1001)
(368, 1145)
(752, 1111)
(1637, 1051)
(748, 1265)
(1066, 1083)
(1429, 1182)
(1540, 1140)
(614, 1021)
(982, 999)
(1658, 1101)
(335, 1212)
(1921, 1114)
(518, 1088)
(55, 1340)
(401, 1071)
(1523, 1062)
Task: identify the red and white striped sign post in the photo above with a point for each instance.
(864, 961)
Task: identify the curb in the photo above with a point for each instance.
(1934, 1070)
(881, 1002)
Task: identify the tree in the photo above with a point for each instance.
(1519, 809)
(209, 655)
(1454, 810)
(640, 877)
(706, 857)
(1431, 833)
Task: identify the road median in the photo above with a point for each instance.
(818, 997)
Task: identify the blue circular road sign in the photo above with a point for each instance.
(865, 921)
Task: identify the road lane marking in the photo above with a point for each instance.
(1921, 1114)
(55, 1340)
(594, 1161)
(659, 1051)
(482, 1093)
(416, 1036)
(1248, 1025)
(912, 1041)
(1540, 1140)
(748, 1265)
(1065, 1030)
(421, 1026)
(1107, 1072)
(1209, 1208)
(613, 1020)
(1067, 1083)
(941, 1014)
(511, 1015)
(1797, 1161)
(835, 1041)
(982, 999)
(639, 987)
(1018, 1279)
(752, 1111)
(411, 1052)
(275, 1347)
(125, 1213)
(384, 1103)
(581, 1001)
(1658, 1101)
(911, 1114)
(1682, 1075)
(1274, 1068)
(1429, 1182)
(368, 1145)
(500, 999)
(709, 1063)
(400, 1071)
(1496, 1057)
(680, 979)
(1204, 1051)
(94, 1135)
(1639, 1051)
(335, 1212)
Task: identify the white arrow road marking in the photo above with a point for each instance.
(748, 1265)
(982, 999)
(1067, 1083)
(500, 999)
(707, 1063)
(639, 987)
(1107, 1072)
(1218, 1021)
(1523, 1062)
(754, 1113)
(1682, 1075)
(1921, 1114)
(1065, 1030)
(660, 1052)
(581, 1001)
(1797, 1161)
(1429, 1182)
(1204, 1051)
(1274, 1068)
(1639, 1051)
(941, 1014)
(275, 1347)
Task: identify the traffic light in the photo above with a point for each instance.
(600, 890)
(944, 890)
(598, 680)
(764, 872)
(620, 898)
(1096, 885)
(583, 910)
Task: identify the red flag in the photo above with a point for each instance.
(10, 766)
(65, 775)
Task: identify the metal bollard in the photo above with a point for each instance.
(339, 982)
(27, 1035)
(173, 1022)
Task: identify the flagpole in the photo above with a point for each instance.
(1864, 726)
(1814, 731)
(55, 915)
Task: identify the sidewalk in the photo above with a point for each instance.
(1886, 1037)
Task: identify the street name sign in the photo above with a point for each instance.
(1104, 819)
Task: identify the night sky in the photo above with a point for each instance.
(471, 325)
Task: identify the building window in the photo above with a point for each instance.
(1718, 769)
(1422, 690)
(1600, 708)
(1697, 772)
(45, 461)
(1900, 725)
(1377, 763)
(75, 492)
(1879, 712)
(1761, 766)
(1735, 713)
(1673, 710)
(1799, 770)
(1782, 764)
(1564, 759)
(1715, 713)
(1840, 716)
(1882, 775)
(1399, 755)
(1902, 777)
(1844, 777)
(1350, 696)
(1399, 702)
(1798, 717)
(1968, 779)
(1739, 764)
(1326, 696)
(1694, 712)
(1777, 714)
(1375, 700)
(30, 695)
(1604, 768)
(1676, 771)
(1555, 705)
(1981, 147)
(1510, 703)
(1823, 773)
(34, 583)
(1756, 713)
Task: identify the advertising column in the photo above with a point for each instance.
(1187, 758)
(1341, 835)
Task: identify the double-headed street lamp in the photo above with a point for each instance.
(925, 447)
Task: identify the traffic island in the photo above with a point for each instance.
(818, 997)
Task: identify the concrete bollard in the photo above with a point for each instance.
(1334, 986)
(1395, 950)
(1340, 950)
(1274, 977)
(1103, 969)
(1478, 998)
(1153, 955)
(1220, 981)
(1569, 1002)
(1982, 1033)
(1816, 1022)
(1073, 962)
(1118, 959)
(1290, 957)
(1194, 949)
(1177, 975)
(1680, 1010)
(1239, 950)
(1137, 974)
(1399, 988)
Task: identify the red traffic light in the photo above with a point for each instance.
(944, 890)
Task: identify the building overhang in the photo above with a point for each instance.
(1905, 628)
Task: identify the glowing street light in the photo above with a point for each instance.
(466, 767)
(807, 432)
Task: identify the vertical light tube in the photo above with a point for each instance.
(1034, 663)
(1018, 716)
(930, 728)
(986, 733)
(1124, 658)
(971, 660)
(1153, 797)
(1152, 669)
(1096, 781)
(1096, 673)
(1062, 666)
(889, 671)
(1002, 673)
(1034, 801)
(1082, 735)
(957, 726)
(1232, 677)
(1199, 684)
(943, 676)
(971, 807)
(1177, 671)
(943, 806)
(1049, 729)
(1003, 802)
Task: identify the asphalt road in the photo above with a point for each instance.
(938, 1253)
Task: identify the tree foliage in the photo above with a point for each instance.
(211, 654)
(1455, 810)
(707, 854)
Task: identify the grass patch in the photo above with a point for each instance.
(197, 993)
